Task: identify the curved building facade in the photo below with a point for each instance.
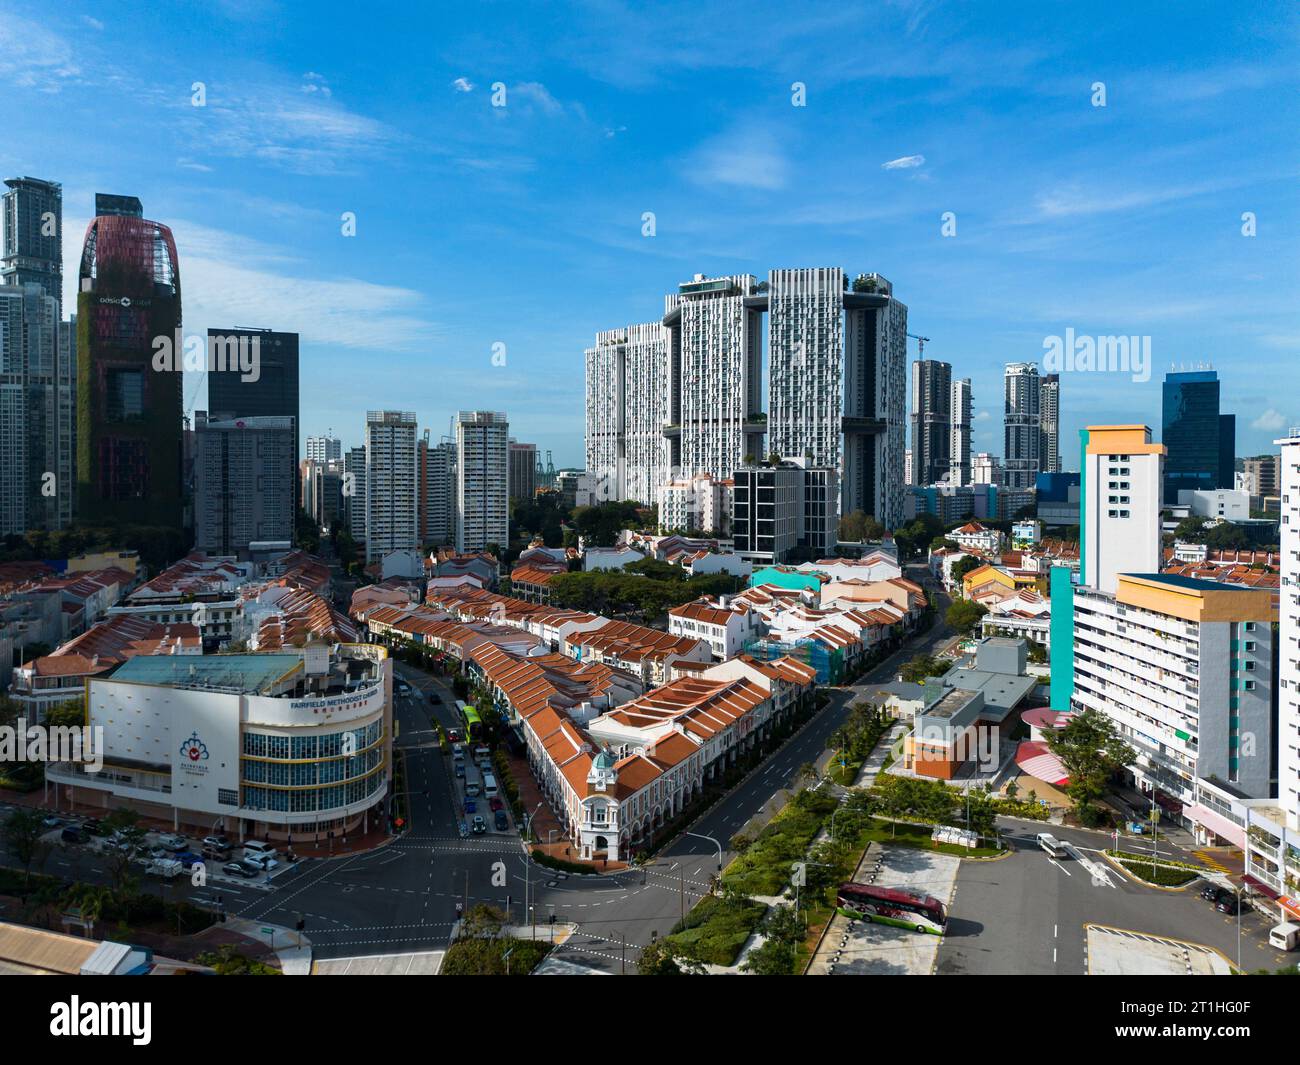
(129, 371)
(282, 746)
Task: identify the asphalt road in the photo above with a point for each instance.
(1027, 913)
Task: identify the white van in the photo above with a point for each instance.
(167, 868)
(255, 848)
(1284, 936)
(1052, 845)
(489, 785)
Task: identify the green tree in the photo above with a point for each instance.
(964, 615)
(964, 565)
(777, 956)
(1091, 751)
(663, 959)
(22, 836)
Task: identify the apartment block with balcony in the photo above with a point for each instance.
(1186, 670)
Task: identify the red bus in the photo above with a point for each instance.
(896, 906)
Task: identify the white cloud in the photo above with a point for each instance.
(93, 23)
(743, 157)
(538, 94)
(1270, 421)
(305, 131)
(34, 58)
(313, 82)
(906, 162)
(228, 278)
(463, 85)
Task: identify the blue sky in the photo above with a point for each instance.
(522, 225)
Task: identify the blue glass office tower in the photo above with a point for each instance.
(1201, 442)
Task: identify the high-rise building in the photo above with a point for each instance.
(715, 345)
(322, 491)
(962, 417)
(437, 473)
(32, 249)
(628, 411)
(391, 483)
(482, 480)
(1200, 441)
(838, 382)
(987, 469)
(324, 448)
(1184, 668)
(778, 508)
(354, 493)
(244, 483)
(1049, 424)
(1288, 634)
(1263, 473)
(931, 421)
(129, 425)
(269, 391)
(1227, 450)
(523, 471)
(67, 390)
(1022, 395)
(31, 479)
(1120, 530)
(37, 362)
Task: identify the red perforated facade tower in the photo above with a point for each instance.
(129, 371)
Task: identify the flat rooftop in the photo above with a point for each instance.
(248, 673)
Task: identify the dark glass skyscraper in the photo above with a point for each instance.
(33, 236)
(128, 387)
(233, 393)
(1201, 442)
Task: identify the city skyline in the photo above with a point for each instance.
(256, 181)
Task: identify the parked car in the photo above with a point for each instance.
(73, 834)
(460, 769)
(478, 825)
(244, 869)
(464, 831)
(1227, 903)
(157, 853)
(188, 859)
(470, 806)
(495, 804)
(453, 735)
(1210, 891)
(216, 841)
(262, 861)
(216, 854)
(502, 821)
(52, 822)
(173, 842)
(91, 825)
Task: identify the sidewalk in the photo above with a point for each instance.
(546, 826)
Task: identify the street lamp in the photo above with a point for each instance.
(717, 844)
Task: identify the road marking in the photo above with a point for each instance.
(1053, 861)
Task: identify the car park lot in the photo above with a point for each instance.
(1029, 913)
(71, 831)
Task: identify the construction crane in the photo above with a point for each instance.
(920, 344)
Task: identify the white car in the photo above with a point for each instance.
(265, 862)
(172, 841)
